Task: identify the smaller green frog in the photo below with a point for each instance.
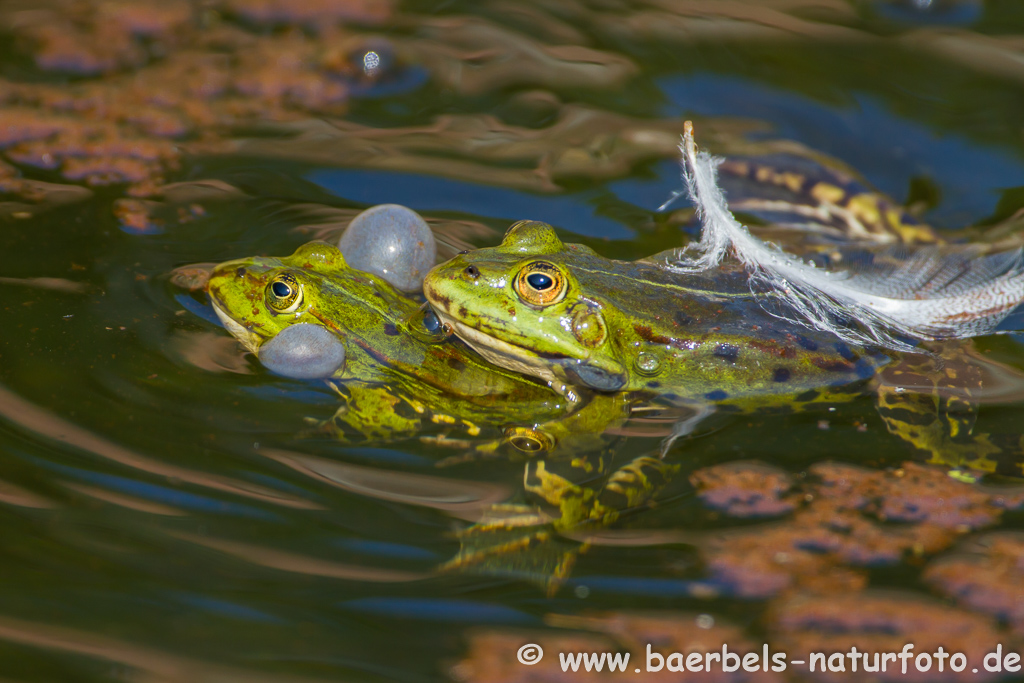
(397, 368)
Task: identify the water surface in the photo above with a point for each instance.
(169, 516)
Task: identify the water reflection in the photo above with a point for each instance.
(170, 509)
(466, 500)
(141, 662)
(51, 427)
(929, 12)
(289, 562)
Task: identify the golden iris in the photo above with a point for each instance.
(284, 294)
(540, 284)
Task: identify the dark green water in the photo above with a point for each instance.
(163, 517)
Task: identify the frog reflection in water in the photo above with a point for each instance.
(563, 313)
(399, 375)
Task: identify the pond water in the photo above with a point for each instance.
(169, 513)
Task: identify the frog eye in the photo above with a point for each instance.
(528, 440)
(540, 284)
(284, 294)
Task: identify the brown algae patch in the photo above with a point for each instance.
(154, 75)
(744, 489)
(986, 576)
(844, 520)
(881, 622)
(148, 83)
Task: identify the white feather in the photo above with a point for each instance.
(930, 293)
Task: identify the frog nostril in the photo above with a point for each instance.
(463, 252)
(472, 271)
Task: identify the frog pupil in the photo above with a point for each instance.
(431, 322)
(539, 281)
(281, 290)
(526, 443)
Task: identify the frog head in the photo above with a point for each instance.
(259, 298)
(256, 298)
(520, 305)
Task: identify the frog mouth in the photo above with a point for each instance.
(247, 337)
(502, 353)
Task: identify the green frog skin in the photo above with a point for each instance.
(562, 313)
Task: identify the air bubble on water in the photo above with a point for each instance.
(371, 62)
(705, 621)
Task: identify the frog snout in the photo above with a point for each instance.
(436, 299)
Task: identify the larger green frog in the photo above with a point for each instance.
(565, 314)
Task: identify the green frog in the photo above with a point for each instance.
(563, 313)
(397, 370)
(402, 374)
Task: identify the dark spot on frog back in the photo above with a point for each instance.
(864, 369)
(782, 375)
(807, 343)
(645, 332)
(681, 319)
(390, 330)
(772, 347)
(846, 352)
(648, 335)
(832, 365)
(727, 352)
